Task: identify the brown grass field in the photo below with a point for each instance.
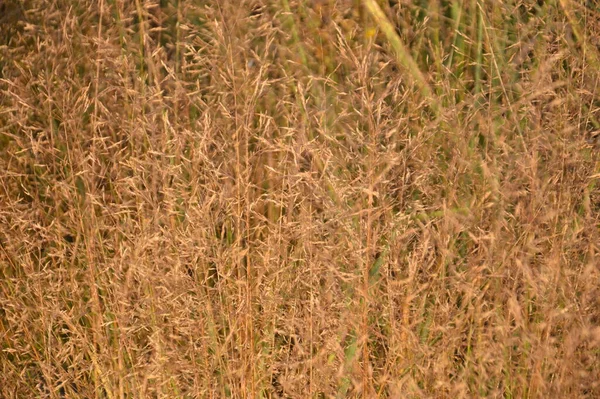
(299, 199)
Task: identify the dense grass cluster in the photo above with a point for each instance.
(299, 199)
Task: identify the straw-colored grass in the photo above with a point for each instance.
(299, 199)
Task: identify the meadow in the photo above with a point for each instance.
(299, 199)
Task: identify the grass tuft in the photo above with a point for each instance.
(299, 199)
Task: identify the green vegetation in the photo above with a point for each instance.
(299, 199)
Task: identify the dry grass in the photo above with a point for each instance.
(277, 199)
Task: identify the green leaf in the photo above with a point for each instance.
(80, 185)
(374, 271)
